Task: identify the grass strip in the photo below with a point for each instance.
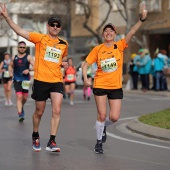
(159, 119)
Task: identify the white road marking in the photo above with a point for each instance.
(135, 141)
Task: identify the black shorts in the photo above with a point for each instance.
(18, 87)
(111, 93)
(5, 80)
(68, 83)
(88, 76)
(41, 90)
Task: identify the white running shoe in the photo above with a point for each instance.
(10, 103)
(71, 103)
(6, 103)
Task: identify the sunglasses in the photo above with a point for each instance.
(54, 25)
(22, 47)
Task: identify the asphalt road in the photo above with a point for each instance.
(76, 137)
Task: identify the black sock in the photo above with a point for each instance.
(35, 135)
(99, 141)
(52, 137)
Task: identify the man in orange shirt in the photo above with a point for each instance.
(108, 77)
(51, 52)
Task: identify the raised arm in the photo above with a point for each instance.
(18, 30)
(137, 25)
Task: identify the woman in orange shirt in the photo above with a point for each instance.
(108, 77)
(70, 80)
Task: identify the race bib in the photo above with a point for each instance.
(52, 54)
(89, 70)
(70, 77)
(109, 65)
(6, 74)
(26, 84)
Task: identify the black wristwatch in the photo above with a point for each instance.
(142, 20)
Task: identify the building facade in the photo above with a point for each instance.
(82, 20)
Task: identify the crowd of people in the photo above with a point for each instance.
(149, 70)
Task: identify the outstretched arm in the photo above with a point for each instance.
(137, 25)
(18, 30)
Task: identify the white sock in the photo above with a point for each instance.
(99, 129)
(108, 122)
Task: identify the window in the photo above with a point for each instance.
(153, 5)
(79, 8)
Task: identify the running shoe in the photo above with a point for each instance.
(6, 103)
(10, 103)
(88, 98)
(98, 148)
(104, 136)
(21, 119)
(52, 147)
(22, 113)
(71, 103)
(36, 144)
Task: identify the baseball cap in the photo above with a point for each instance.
(54, 19)
(109, 25)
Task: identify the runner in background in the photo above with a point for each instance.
(87, 90)
(70, 80)
(20, 68)
(6, 79)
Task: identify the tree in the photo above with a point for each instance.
(122, 6)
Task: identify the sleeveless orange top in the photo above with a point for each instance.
(70, 74)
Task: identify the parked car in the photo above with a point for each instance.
(79, 81)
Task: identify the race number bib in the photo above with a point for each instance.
(6, 74)
(89, 70)
(52, 54)
(70, 77)
(109, 65)
(26, 84)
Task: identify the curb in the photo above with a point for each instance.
(149, 92)
(159, 133)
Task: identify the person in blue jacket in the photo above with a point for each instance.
(159, 63)
(144, 64)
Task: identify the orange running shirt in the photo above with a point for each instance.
(70, 74)
(110, 62)
(48, 57)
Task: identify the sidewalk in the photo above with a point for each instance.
(144, 129)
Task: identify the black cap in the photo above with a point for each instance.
(110, 25)
(54, 19)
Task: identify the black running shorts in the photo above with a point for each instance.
(5, 80)
(18, 87)
(111, 93)
(41, 90)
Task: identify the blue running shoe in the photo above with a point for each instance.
(23, 113)
(98, 148)
(36, 144)
(52, 147)
(21, 119)
(21, 116)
